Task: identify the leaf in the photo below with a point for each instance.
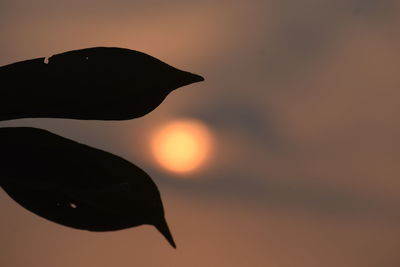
(101, 83)
(76, 185)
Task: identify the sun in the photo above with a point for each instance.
(182, 146)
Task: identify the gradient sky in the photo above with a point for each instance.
(302, 97)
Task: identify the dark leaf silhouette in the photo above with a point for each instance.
(75, 185)
(101, 83)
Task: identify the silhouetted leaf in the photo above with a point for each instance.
(75, 185)
(99, 83)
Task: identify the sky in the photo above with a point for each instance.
(301, 97)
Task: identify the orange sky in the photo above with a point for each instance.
(302, 99)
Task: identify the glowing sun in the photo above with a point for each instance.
(181, 146)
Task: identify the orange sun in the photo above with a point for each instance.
(181, 146)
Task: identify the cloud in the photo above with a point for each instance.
(303, 98)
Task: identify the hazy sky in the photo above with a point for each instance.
(302, 98)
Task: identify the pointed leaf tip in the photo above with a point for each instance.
(163, 228)
(197, 78)
(186, 78)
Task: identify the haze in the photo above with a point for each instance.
(302, 97)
